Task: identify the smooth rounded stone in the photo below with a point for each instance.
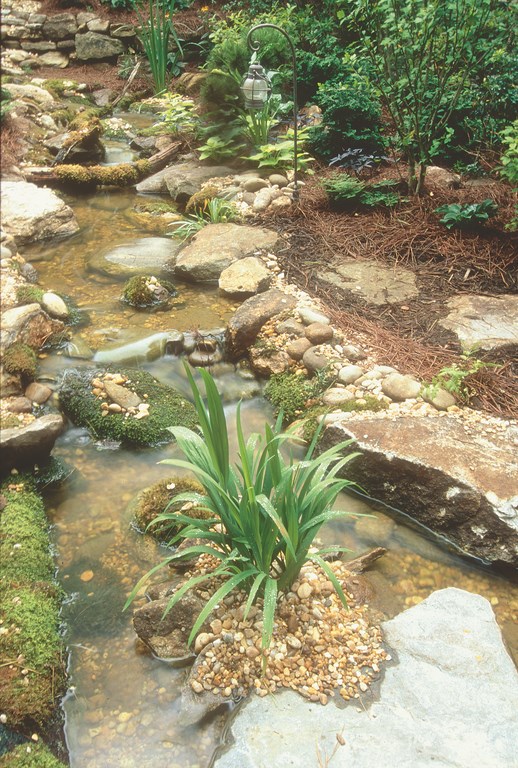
(353, 353)
(142, 256)
(147, 349)
(290, 326)
(268, 364)
(202, 359)
(438, 397)
(384, 369)
(31, 213)
(248, 320)
(336, 396)
(254, 184)
(262, 199)
(54, 305)
(29, 272)
(319, 333)
(19, 405)
(400, 387)
(298, 347)
(314, 359)
(278, 179)
(309, 316)
(248, 198)
(38, 393)
(369, 377)
(23, 446)
(5, 253)
(349, 373)
(78, 348)
(245, 277)
(32, 93)
(121, 395)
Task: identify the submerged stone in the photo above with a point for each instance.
(143, 256)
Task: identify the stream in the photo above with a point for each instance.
(124, 708)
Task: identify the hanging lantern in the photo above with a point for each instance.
(256, 87)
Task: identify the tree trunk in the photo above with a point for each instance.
(121, 175)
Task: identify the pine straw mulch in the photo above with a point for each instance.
(408, 336)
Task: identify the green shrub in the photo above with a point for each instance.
(468, 215)
(509, 160)
(264, 513)
(281, 152)
(346, 191)
(20, 359)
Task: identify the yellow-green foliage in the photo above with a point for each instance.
(199, 200)
(153, 501)
(29, 610)
(30, 755)
(29, 294)
(20, 359)
(57, 87)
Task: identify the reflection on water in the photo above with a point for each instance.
(125, 708)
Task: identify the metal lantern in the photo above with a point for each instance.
(256, 87)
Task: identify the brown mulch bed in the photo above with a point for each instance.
(446, 263)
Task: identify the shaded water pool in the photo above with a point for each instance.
(125, 708)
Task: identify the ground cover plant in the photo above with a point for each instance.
(264, 512)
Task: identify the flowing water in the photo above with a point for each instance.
(125, 708)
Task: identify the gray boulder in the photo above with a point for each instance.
(59, 26)
(92, 45)
(30, 213)
(215, 247)
(182, 180)
(469, 496)
(146, 255)
(23, 446)
(449, 700)
(246, 323)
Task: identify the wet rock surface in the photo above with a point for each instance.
(415, 465)
(144, 255)
(25, 445)
(449, 698)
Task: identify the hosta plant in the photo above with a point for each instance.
(467, 215)
(264, 512)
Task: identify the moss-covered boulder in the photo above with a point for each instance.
(32, 673)
(146, 292)
(160, 497)
(20, 359)
(128, 405)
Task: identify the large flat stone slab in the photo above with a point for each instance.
(215, 247)
(146, 255)
(484, 322)
(450, 476)
(182, 180)
(373, 282)
(23, 446)
(450, 700)
(30, 213)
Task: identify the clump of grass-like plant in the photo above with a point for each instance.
(264, 512)
(156, 31)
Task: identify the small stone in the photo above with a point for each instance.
(298, 347)
(254, 185)
(319, 333)
(304, 591)
(440, 398)
(196, 686)
(87, 576)
(201, 641)
(349, 374)
(400, 387)
(314, 359)
(292, 641)
(54, 305)
(276, 179)
(309, 316)
(336, 396)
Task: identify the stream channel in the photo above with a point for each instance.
(124, 707)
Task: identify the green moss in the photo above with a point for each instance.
(34, 679)
(313, 414)
(29, 294)
(62, 116)
(122, 175)
(155, 207)
(199, 200)
(154, 500)
(57, 87)
(20, 359)
(167, 408)
(30, 755)
(290, 393)
(9, 421)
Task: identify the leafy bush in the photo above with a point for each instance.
(179, 116)
(217, 149)
(345, 190)
(351, 113)
(509, 160)
(280, 153)
(264, 513)
(454, 377)
(467, 215)
(357, 160)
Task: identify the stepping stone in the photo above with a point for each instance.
(483, 322)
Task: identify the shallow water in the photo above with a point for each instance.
(125, 708)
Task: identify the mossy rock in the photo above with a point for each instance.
(145, 291)
(154, 207)
(168, 408)
(199, 200)
(159, 498)
(20, 359)
(30, 755)
(29, 294)
(31, 686)
(290, 394)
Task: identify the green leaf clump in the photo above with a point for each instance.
(264, 512)
(467, 215)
